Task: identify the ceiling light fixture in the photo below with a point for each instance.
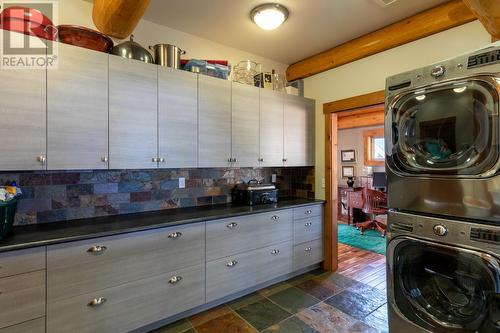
(269, 16)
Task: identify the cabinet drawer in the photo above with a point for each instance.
(131, 305)
(307, 254)
(234, 235)
(73, 270)
(307, 211)
(22, 261)
(238, 272)
(22, 298)
(305, 230)
(32, 326)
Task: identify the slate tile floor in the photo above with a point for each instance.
(316, 302)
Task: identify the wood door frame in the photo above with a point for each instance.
(346, 113)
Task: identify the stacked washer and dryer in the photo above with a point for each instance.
(442, 133)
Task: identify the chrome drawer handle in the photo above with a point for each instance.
(275, 217)
(104, 159)
(175, 279)
(308, 212)
(308, 249)
(232, 263)
(42, 159)
(175, 235)
(97, 249)
(97, 302)
(232, 225)
(275, 252)
(308, 224)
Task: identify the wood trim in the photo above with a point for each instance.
(370, 116)
(330, 262)
(356, 102)
(488, 12)
(367, 145)
(426, 23)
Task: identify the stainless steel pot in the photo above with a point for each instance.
(132, 50)
(167, 55)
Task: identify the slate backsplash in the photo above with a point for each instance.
(56, 196)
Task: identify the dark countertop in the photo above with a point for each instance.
(66, 231)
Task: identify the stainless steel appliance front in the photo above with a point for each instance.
(443, 138)
(443, 275)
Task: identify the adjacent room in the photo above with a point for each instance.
(221, 166)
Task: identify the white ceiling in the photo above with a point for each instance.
(313, 25)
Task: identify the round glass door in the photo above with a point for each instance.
(446, 130)
(446, 289)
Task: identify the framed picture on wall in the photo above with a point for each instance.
(347, 171)
(348, 156)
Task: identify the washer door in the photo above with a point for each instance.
(449, 129)
(444, 289)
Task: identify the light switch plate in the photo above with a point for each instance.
(273, 178)
(182, 182)
(323, 182)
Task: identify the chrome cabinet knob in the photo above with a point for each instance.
(97, 302)
(162, 160)
(232, 225)
(284, 160)
(440, 230)
(438, 71)
(275, 217)
(175, 235)
(261, 159)
(175, 279)
(231, 263)
(97, 249)
(308, 224)
(308, 249)
(308, 212)
(42, 159)
(104, 159)
(155, 160)
(275, 252)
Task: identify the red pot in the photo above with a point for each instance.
(84, 37)
(28, 21)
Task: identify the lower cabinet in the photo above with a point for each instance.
(31, 326)
(241, 271)
(307, 254)
(307, 236)
(131, 305)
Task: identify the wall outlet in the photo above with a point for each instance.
(273, 178)
(182, 182)
(323, 182)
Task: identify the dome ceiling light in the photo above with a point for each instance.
(269, 16)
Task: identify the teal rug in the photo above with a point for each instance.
(370, 241)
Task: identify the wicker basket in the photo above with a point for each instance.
(7, 214)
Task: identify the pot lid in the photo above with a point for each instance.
(132, 50)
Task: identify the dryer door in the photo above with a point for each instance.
(450, 129)
(442, 288)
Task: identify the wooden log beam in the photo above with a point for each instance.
(118, 18)
(429, 22)
(488, 12)
(365, 118)
(356, 102)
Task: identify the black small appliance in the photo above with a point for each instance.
(254, 193)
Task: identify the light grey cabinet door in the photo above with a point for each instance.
(23, 118)
(177, 118)
(307, 254)
(214, 127)
(298, 131)
(271, 128)
(77, 110)
(245, 125)
(22, 261)
(22, 298)
(133, 112)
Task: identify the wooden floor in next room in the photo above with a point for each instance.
(351, 300)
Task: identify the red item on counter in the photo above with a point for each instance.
(28, 21)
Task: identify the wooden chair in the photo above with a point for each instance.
(375, 203)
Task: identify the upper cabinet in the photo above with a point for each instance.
(245, 125)
(271, 128)
(177, 118)
(23, 118)
(77, 110)
(132, 114)
(214, 127)
(298, 131)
